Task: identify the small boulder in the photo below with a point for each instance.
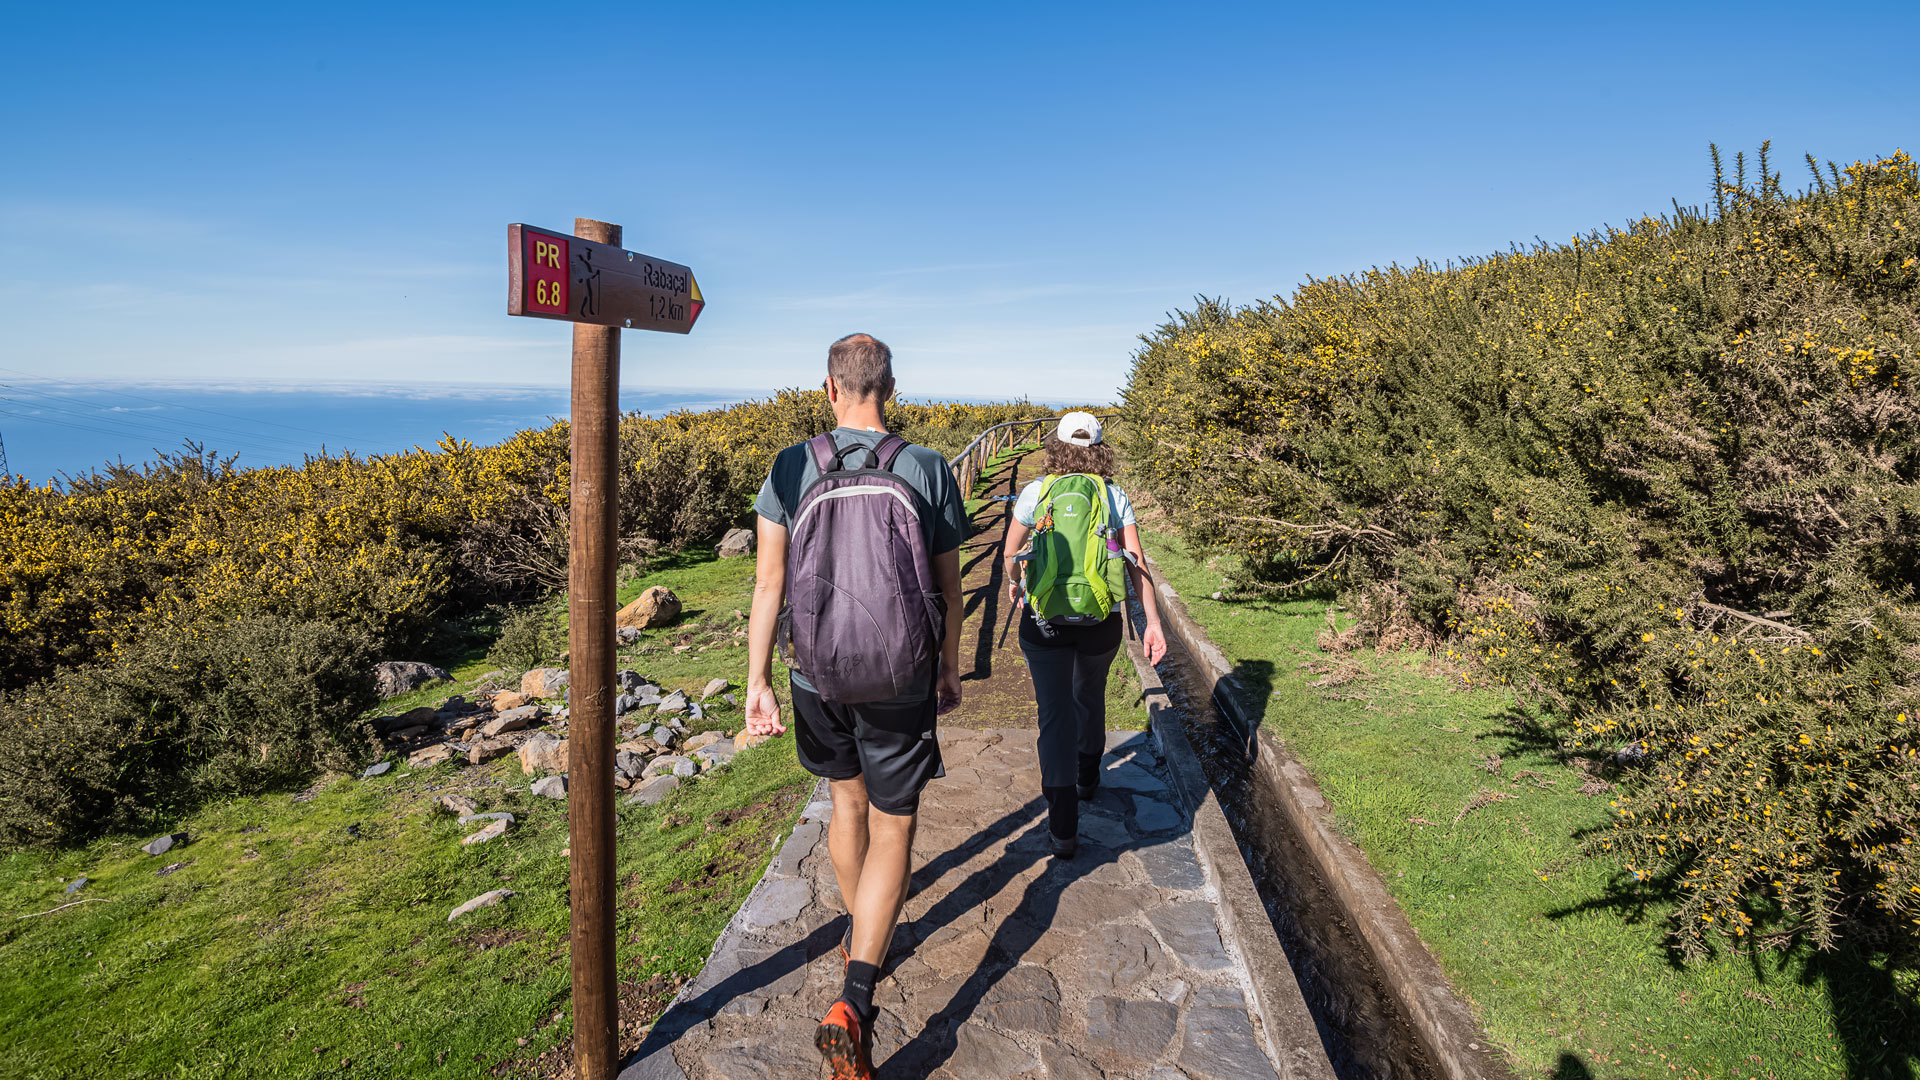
(553, 787)
(747, 741)
(467, 723)
(687, 768)
(160, 845)
(378, 768)
(543, 754)
(455, 804)
(625, 704)
(513, 720)
(654, 790)
(696, 711)
(484, 900)
(485, 750)
(428, 757)
(77, 884)
(658, 606)
(736, 543)
(716, 754)
(717, 686)
(643, 730)
(675, 702)
(492, 832)
(507, 701)
(629, 680)
(705, 738)
(544, 682)
(628, 763)
(626, 635)
(392, 678)
(666, 763)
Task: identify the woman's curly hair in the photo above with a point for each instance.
(1065, 457)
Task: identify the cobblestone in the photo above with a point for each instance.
(1008, 965)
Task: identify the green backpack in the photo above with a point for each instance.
(1074, 573)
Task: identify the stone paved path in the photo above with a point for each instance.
(1009, 964)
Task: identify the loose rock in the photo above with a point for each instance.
(675, 702)
(669, 763)
(717, 686)
(553, 787)
(736, 543)
(484, 900)
(544, 682)
(543, 754)
(507, 701)
(654, 790)
(77, 884)
(705, 738)
(628, 763)
(392, 678)
(485, 750)
(160, 845)
(430, 756)
(491, 832)
(378, 768)
(455, 804)
(658, 606)
(745, 741)
(716, 754)
(497, 815)
(512, 720)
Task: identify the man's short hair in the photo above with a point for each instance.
(862, 365)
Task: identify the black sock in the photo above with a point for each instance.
(857, 991)
(1089, 770)
(1063, 811)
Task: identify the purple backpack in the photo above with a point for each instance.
(865, 615)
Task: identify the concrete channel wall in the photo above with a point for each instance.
(1442, 1021)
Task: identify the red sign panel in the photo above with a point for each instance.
(546, 277)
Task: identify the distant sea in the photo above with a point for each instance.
(50, 427)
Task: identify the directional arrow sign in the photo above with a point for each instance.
(551, 275)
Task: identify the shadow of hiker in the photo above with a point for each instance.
(1038, 912)
(653, 1058)
(1571, 1068)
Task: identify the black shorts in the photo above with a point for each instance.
(893, 746)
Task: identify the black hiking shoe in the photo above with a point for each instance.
(1064, 847)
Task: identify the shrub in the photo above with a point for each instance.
(1662, 479)
(182, 715)
(529, 637)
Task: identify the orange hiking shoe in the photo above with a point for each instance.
(841, 1040)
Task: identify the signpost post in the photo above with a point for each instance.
(589, 280)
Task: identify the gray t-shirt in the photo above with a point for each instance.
(943, 511)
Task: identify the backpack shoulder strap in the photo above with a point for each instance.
(888, 450)
(825, 451)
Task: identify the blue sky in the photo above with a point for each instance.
(251, 196)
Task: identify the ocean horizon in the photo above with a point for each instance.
(52, 428)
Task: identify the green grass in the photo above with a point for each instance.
(283, 947)
(1567, 983)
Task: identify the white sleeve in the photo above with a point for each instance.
(1120, 506)
(1027, 504)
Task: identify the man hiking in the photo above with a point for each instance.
(859, 578)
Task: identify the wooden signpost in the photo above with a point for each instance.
(588, 279)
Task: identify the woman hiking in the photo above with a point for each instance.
(1072, 593)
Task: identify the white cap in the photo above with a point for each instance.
(1076, 422)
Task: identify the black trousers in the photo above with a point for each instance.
(1069, 669)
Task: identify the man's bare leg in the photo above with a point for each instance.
(884, 880)
(847, 836)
